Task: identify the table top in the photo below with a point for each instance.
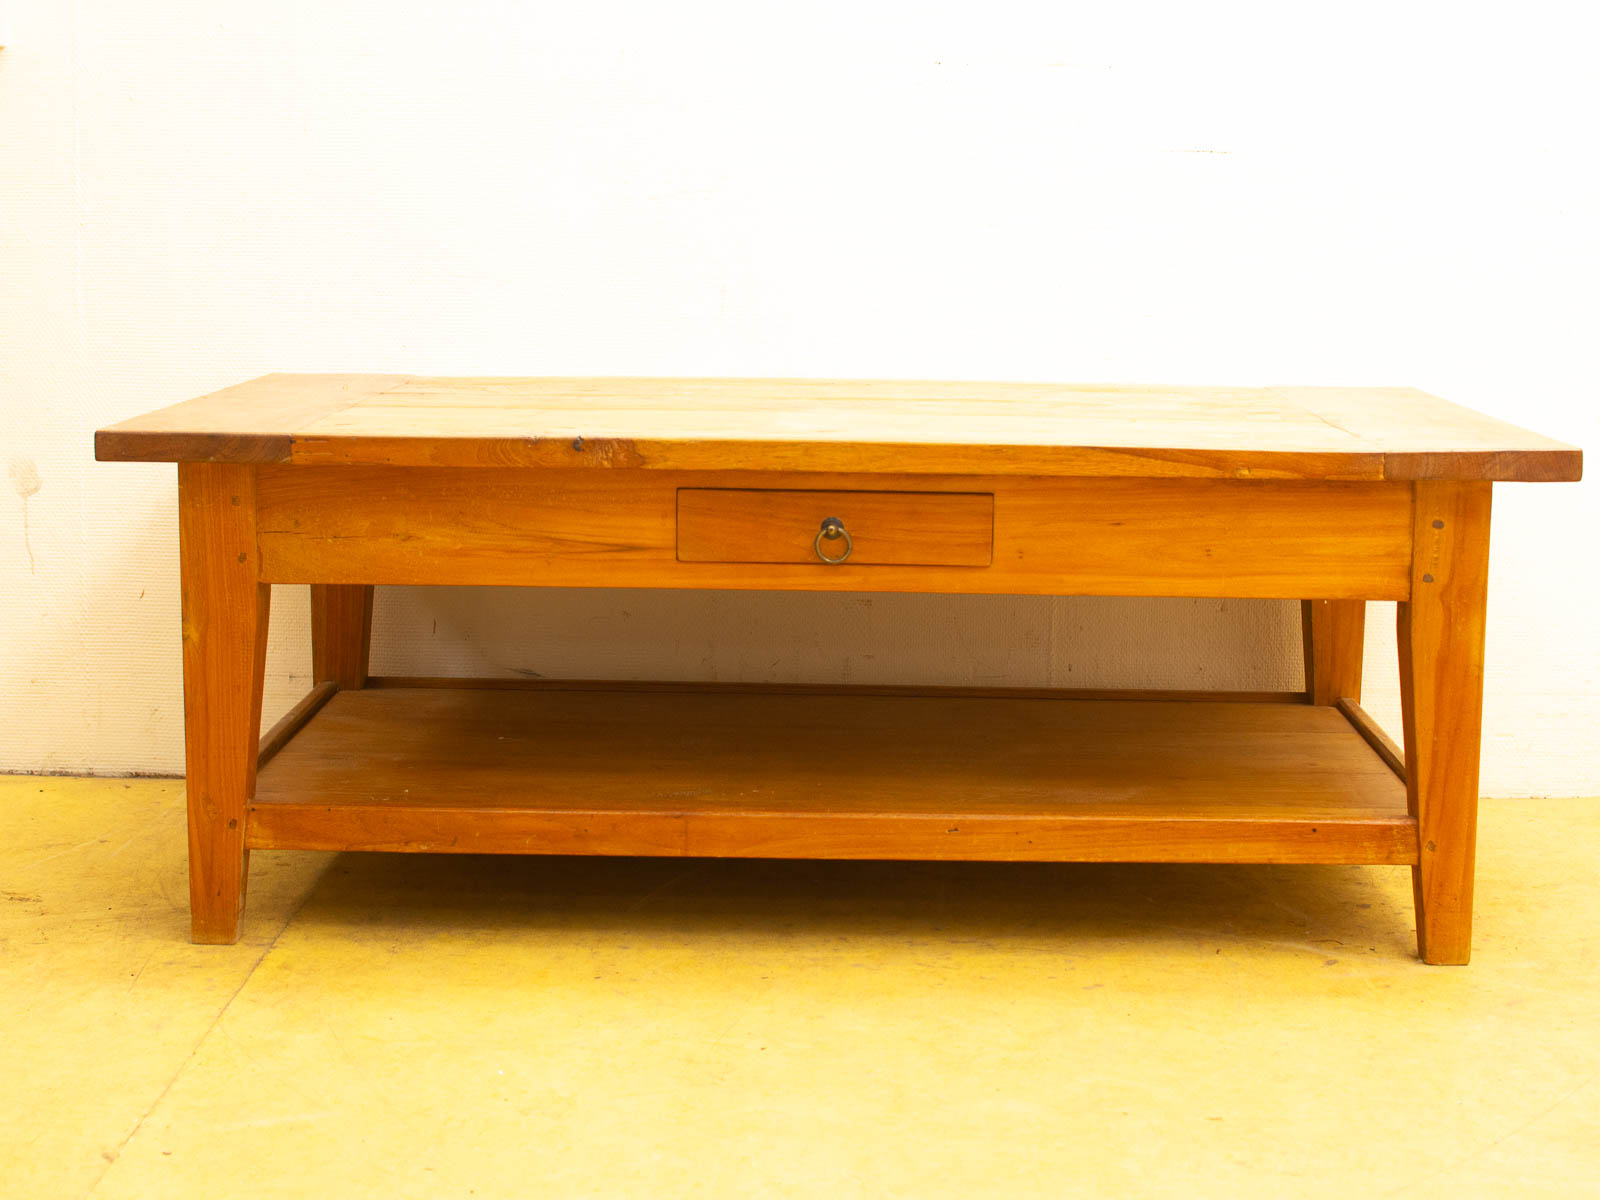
(842, 426)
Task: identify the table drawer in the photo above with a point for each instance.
(940, 529)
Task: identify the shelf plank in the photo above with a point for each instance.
(914, 691)
(803, 775)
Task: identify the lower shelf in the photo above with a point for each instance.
(707, 772)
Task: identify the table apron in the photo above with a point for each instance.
(618, 528)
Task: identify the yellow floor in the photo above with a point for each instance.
(428, 1026)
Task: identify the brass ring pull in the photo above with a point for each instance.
(833, 529)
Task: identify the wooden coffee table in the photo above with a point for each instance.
(1329, 496)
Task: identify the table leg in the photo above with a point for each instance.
(341, 634)
(224, 657)
(1440, 632)
(1334, 632)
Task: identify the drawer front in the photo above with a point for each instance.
(936, 529)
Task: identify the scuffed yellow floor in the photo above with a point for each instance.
(395, 1026)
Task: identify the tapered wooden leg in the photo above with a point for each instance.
(341, 634)
(1440, 631)
(1334, 632)
(224, 658)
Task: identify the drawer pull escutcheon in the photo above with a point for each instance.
(833, 529)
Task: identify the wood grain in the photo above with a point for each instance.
(520, 683)
(844, 426)
(1120, 537)
(224, 659)
(1334, 634)
(786, 775)
(1424, 437)
(1441, 636)
(1361, 721)
(252, 422)
(766, 525)
(341, 633)
(293, 721)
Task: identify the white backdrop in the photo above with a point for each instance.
(193, 192)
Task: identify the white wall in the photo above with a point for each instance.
(194, 192)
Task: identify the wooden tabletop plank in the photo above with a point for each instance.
(1424, 437)
(253, 422)
(842, 426)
